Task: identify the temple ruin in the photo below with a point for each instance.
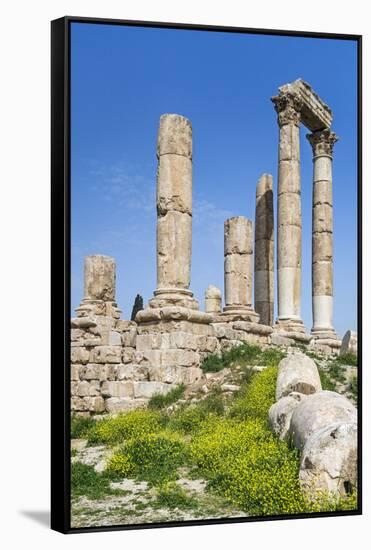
(117, 365)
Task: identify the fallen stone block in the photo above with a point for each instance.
(281, 412)
(329, 460)
(318, 411)
(297, 373)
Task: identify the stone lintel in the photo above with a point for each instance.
(315, 114)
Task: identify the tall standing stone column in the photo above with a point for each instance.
(238, 268)
(174, 209)
(288, 106)
(322, 143)
(264, 251)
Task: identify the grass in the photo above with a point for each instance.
(81, 425)
(170, 495)
(347, 359)
(85, 481)
(326, 382)
(245, 354)
(160, 401)
(336, 371)
(353, 387)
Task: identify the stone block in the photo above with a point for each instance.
(183, 340)
(147, 389)
(79, 355)
(281, 412)
(128, 355)
(329, 460)
(77, 404)
(75, 371)
(129, 338)
(132, 372)
(318, 411)
(178, 357)
(349, 343)
(111, 338)
(297, 373)
(117, 389)
(77, 334)
(94, 404)
(92, 372)
(106, 354)
(116, 405)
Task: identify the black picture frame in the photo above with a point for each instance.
(60, 267)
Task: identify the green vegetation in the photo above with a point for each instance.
(170, 495)
(245, 354)
(353, 387)
(336, 372)
(347, 359)
(80, 426)
(326, 382)
(226, 441)
(85, 481)
(159, 401)
(112, 431)
(151, 457)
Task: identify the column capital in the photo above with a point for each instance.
(288, 106)
(322, 142)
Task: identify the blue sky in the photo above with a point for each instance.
(124, 78)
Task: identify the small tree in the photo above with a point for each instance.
(138, 305)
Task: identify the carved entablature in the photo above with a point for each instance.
(288, 106)
(322, 142)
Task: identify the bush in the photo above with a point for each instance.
(249, 466)
(258, 396)
(347, 359)
(81, 425)
(213, 363)
(115, 430)
(160, 401)
(152, 457)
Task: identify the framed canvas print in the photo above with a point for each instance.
(206, 279)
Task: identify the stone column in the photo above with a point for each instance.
(213, 300)
(322, 143)
(238, 267)
(99, 278)
(264, 251)
(174, 209)
(99, 287)
(288, 106)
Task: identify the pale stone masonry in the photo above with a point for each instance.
(213, 300)
(322, 143)
(117, 365)
(238, 268)
(264, 251)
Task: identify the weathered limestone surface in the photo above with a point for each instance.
(329, 460)
(281, 412)
(174, 202)
(317, 411)
(322, 143)
(213, 300)
(238, 268)
(349, 343)
(288, 105)
(315, 114)
(264, 250)
(297, 373)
